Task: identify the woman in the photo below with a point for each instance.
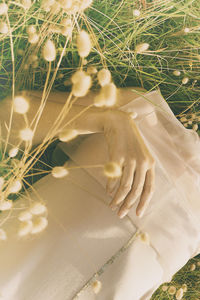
(85, 240)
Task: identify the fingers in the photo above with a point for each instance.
(125, 184)
(135, 191)
(147, 192)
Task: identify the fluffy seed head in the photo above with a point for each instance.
(3, 235)
(104, 77)
(99, 100)
(25, 216)
(136, 13)
(184, 287)
(59, 172)
(172, 290)
(13, 152)
(46, 4)
(145, 238)
(33, 38)
(112, 170)
(1, 183)
(164, 288)
(3, 8)
(6, 205)
(15, 186)
(186, 30)
(179, 294)
(81, 83)
(177, 73)
(140, 48)
(68, 135)
(185, 80)
(192, 267)
(26, 134)
(31, 29)
(25, 228)
(195, 127)
(96, 286)
(3, 27)
(91, 70)
(26, 4)
(21, 105)
(65, 3)
(109, 91)
(49, 51)
(37, 208)
(83, 44)
(39, 224)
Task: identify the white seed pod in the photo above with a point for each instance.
(164, 288)
(109, 91)
(112, 170)
(20, 105)
(195, 127)
(26, 134)
(183, 119)
(33, 38)
(39, 224)
(37, 208)
(140, 48)
(2, 180)
(25, 216)
(31, 29)
(104, 77)
(59, 172)
(145, 238)
(3, 27)
(15, 186)
(13, 152)
(46, 5)
(83, 44)
(177, 73)
(6, 205)
(136, 12)
(172, 290)
(91, 70)
(179, 294)
(81, 83)
(99, 100)
(198, 263)
(55, 8)
(26, 4)
(3, 8)
(68, 135)
(3, 235)
(192, 267)
(67, 31)
(65, 4)
(25, 228)
(49, 51)
(184, 287)
(96, 286)
(185, 80)
(186, 30)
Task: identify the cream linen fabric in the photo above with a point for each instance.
(83, 233)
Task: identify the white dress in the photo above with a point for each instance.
(85, 240)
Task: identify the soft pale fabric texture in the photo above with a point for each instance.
(83, 233)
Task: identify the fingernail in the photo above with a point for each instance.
(123, 213)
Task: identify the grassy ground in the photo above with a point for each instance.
(170, 27)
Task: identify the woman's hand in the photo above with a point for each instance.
(126, 147)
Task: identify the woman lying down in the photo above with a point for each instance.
(108, 239)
